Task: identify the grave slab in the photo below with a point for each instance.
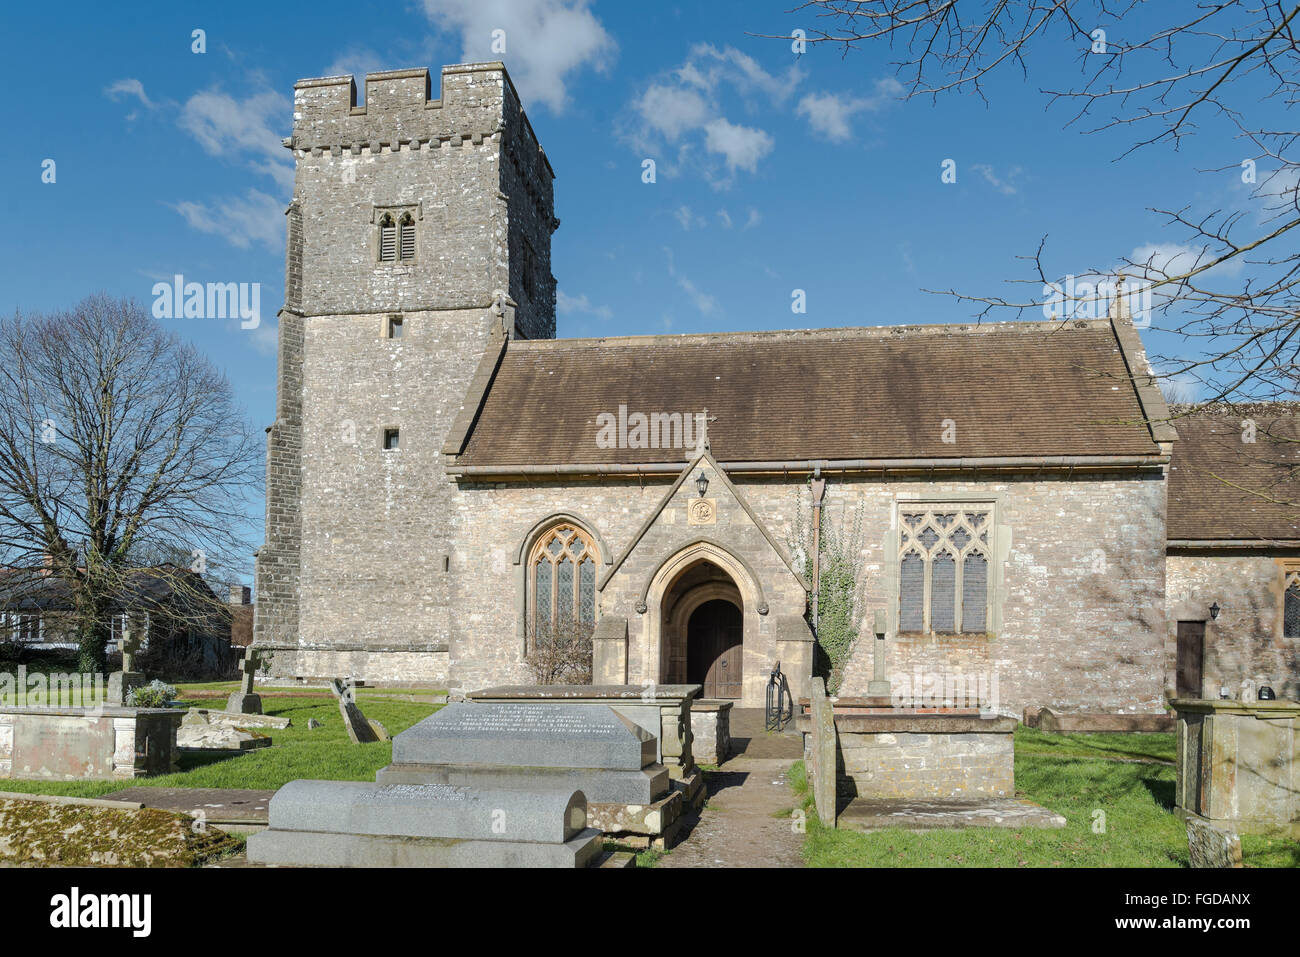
(428, 810)
(863, 814)
(354, 824)
(624, 787)
(518, 735)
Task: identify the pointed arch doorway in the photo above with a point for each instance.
(703, 626)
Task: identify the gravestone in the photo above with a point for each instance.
(121, 683)
(360, 728)
(245, 700)
(1209, 846)
(353, 824)
(596, 750)
(822, 764)
(199, 732)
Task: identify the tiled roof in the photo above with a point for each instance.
(1008, 389)
(1224, 488)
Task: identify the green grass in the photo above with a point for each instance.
(1069, 774)
(296, 752)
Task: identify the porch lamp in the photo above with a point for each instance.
(1214, 611)
(702, 483)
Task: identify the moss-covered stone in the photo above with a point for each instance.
(39, 834)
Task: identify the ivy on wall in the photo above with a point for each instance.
(835, 627)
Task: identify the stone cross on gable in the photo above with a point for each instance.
(702, 440)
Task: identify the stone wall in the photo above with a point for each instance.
(1245, 642)
(950, 757)
(1077, 609)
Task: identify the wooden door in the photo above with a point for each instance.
(1191, 658)
(715, 648)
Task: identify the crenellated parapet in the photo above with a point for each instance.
(478, 101)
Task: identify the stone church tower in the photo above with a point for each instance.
(419, 241)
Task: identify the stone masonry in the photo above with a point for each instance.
(355, 567)
(391, 565)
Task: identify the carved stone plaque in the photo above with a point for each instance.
(702, 511)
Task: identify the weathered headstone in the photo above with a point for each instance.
(822, 765)
(360, 728)
(1209, 846)
(352, 824)
(246, 700)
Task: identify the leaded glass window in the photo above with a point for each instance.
(563, 578)
(944, 570)
(1291, 607)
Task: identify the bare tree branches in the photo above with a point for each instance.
(1227, 284)
(120, 447)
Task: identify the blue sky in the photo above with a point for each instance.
(774, 172)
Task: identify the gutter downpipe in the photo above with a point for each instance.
(818, 488)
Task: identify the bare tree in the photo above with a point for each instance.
(120, 447)
(1231, 292)
(560, 653)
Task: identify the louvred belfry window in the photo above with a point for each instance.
(563, 579)
(1291, 607)
(943, 580)
(406, 229)
(387, 240)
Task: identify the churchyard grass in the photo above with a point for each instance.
(296, 752)
(1077, 776)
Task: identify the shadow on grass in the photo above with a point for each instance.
(1162, 791)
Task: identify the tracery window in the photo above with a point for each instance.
(563, 578)
(944, 569)
(1291, 607)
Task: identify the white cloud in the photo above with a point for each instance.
(688, 219)
(357, 62)
(741, 146)
(703, 301)
(224, 125)
(567, 305)
(683, 110)
(545, 40)
(241, 221)
(707, 68)
(671, 110)
(128, 87)
(830, 114)
(1003, 184)
(1159, 260)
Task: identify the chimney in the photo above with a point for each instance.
(240, 595)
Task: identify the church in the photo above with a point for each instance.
(447, 481)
